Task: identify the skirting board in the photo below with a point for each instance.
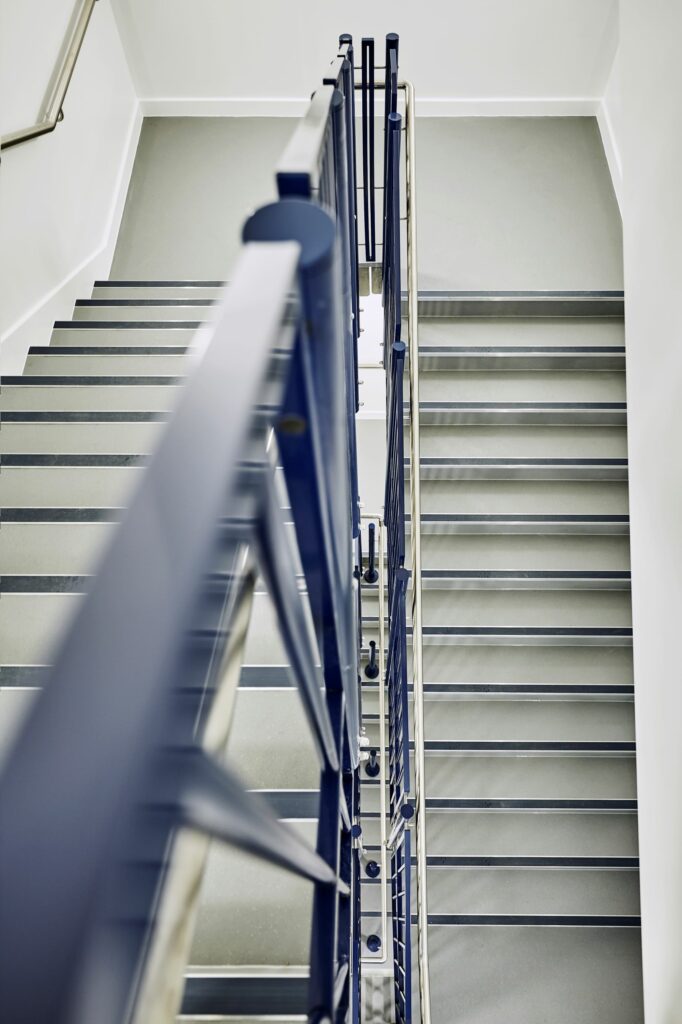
(35, 326)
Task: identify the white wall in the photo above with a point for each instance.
(62, 195)
(485, 56)
(645, 110)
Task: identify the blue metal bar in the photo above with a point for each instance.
(390, 107)
(348, 79)
(213, 801)
(279, 571)
(392, 267)
(343, 221)
(324, 932)
(368, 146)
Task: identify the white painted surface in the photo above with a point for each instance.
(643, 102)
(462, 50)
(63, 194)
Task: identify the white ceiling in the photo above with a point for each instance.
(451, 49)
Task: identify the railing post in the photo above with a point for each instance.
(368, 147)
(343, 220)
(348, 74)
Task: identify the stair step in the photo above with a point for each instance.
(500, 304)
(521, 665)
(529, 719)
(513, 413)
(541, 890)
(46, 485)
(520, 390)
(522, 469)
(270, 740)
(250, 912)
(86, 334)
(558, 834)
(136, 309)
(183, 289)
(510, 775)
(106, 399)
(447, 524)
(67, 363)
(583, 554)
(467, 496)
(522, 332)
(524, 973)
(515, 443)
(87, 437)
(562, 358)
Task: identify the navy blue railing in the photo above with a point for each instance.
(109, 766)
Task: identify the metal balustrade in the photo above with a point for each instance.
(103, 884)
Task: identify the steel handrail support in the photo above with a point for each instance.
(381, 584)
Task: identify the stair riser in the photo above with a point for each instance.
(155, 309)
(536, 386)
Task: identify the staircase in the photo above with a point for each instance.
(532, 880)
(531, 797)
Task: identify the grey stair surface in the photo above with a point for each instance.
(532, 876)
(77, 430)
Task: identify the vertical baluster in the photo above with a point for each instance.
(368, 146)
